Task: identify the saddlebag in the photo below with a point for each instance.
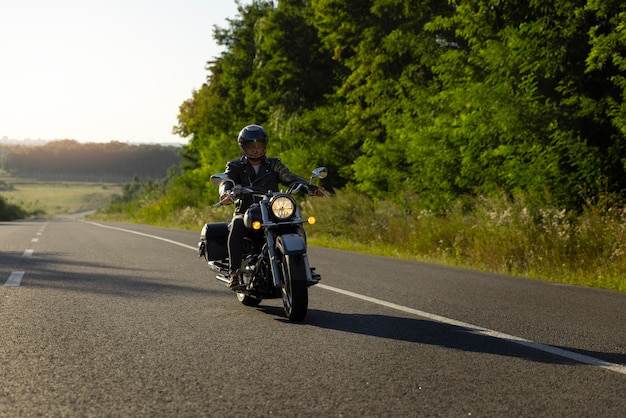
(214, 241)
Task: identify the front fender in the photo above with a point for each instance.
(291, 244)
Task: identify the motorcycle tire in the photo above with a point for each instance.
(248, 300)
(295, 294)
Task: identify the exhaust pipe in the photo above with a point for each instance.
(221, 270)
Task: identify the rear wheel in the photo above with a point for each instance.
(295, 295)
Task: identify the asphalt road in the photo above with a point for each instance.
(96, 320)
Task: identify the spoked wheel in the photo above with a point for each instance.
(248, 300)
(295, 295)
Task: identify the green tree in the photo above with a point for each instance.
(438, 99)
(509, 106)
(273, 69)
(606, 66)
(213, 115)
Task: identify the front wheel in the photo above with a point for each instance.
(295, 295)
(248, 300)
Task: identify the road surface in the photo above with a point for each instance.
(103, 319)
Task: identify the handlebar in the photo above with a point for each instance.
(238, 191)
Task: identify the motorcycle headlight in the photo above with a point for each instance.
(283, 207)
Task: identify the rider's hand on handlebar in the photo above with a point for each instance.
(312, 190)
(319, 192)
(225, 199)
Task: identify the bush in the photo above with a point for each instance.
(11, 212)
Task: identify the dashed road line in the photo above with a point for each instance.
(15, 278)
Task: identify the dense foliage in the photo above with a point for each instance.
(406, 98)
(71, 160)
(488, 134)
(10, 211)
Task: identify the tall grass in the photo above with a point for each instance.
(518, 236)
(521, 235)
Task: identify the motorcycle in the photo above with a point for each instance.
(275, 263)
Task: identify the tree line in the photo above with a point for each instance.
(71, 160)
(422, 101)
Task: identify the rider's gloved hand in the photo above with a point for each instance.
(312, 190)
(225, 199)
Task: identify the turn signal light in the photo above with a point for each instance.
(311, 220)
(256, 225)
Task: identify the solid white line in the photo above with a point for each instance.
(485, 331)
(15, 278)
(592, 361)
(28, 253)
(144, 235)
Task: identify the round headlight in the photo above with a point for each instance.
(283, 207)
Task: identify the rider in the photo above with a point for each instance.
(252, 169)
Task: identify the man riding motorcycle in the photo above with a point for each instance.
(254, 168)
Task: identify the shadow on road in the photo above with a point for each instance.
(424, 331)
(54, 271)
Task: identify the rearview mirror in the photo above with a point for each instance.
(218, 179)
(320, 172)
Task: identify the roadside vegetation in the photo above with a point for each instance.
(66, 176)
(10, 211)
(520, 235)
(69, 160)
(23, 198)
(480, 134)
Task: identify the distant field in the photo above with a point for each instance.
(49, 199)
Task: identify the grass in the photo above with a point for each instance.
(521, 236)
(518, 236)
(50, 199)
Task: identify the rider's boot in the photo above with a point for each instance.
(235, 279)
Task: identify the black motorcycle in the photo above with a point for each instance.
(275, 262)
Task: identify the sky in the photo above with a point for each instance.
(103, 70)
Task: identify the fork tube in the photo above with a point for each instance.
(271, 251)
(271, 244)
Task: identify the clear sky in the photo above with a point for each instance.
(103, 70)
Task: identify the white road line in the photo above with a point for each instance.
(485, 331)
(28, 253)
(592, 361)
(34, 240)
(144, 235)
(15, 278)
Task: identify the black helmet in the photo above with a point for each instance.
(252, 133)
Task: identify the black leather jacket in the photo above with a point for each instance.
(271, 173)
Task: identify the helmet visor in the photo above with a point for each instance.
(255, 149)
